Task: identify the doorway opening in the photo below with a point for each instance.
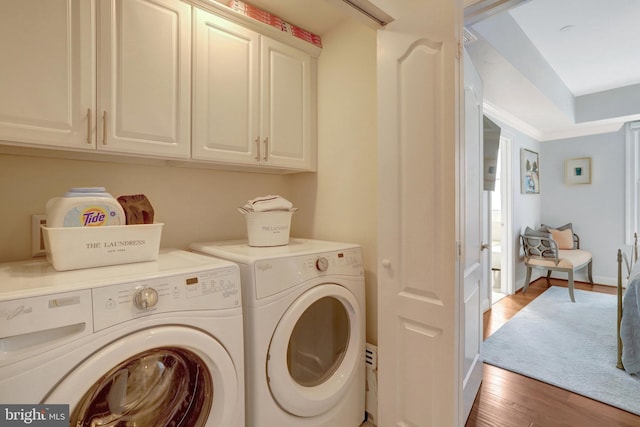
(497, 226)
(501, 212)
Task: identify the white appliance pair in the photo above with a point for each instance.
(304, 311)
(148, 344)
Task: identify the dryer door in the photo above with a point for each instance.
(167, 375)
(315, 351)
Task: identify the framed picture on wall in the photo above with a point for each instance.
(529, 172)
(577, 171)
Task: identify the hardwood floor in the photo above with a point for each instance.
(507, 399)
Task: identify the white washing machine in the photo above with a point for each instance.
(304, 308)
(149, 344)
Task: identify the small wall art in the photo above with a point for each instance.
(577, 171)
(529, 172)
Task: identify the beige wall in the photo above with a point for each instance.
(194, 204)
(343, 193)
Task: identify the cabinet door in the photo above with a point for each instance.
(225, 91)
(46, 78)
(287, 100)
(144, 75)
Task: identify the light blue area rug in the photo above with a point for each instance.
(569, 345)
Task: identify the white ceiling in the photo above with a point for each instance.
(589, 43)
(554, 68)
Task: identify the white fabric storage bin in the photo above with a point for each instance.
(72, 248)
(269, 228)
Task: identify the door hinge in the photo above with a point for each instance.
(459, 55)
(458, 249)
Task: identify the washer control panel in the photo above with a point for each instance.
(207, 290)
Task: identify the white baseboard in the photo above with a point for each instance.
(535, 275)
(604, 280)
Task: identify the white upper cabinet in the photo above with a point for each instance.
(226, 108)
(144, 77)
(47, 83)
(116, 76)
(254, 98)
(140, 102)
(288, 116)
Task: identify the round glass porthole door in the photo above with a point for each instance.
(159, 387)
(315, 350)
(313, 357)
(162, 376)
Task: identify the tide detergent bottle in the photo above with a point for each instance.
(84, 207)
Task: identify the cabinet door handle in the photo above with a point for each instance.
(89, 126)
(104, 127)
(266, 148)
(257, 148)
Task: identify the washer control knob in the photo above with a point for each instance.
(145, 298)
(322, 264)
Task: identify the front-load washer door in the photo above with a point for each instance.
(316, 350)
(162, 376)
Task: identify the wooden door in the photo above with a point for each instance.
(419, 338)
(475, 256)
(144, 77)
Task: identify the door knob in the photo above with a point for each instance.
(484, 246)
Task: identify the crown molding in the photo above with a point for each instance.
(573, 131)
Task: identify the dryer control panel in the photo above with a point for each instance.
(207, 290)
(278, 274)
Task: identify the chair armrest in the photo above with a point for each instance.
(539, 247)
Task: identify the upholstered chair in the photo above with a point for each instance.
(554, 249)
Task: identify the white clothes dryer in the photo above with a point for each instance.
(149, 344)
(304, 308)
